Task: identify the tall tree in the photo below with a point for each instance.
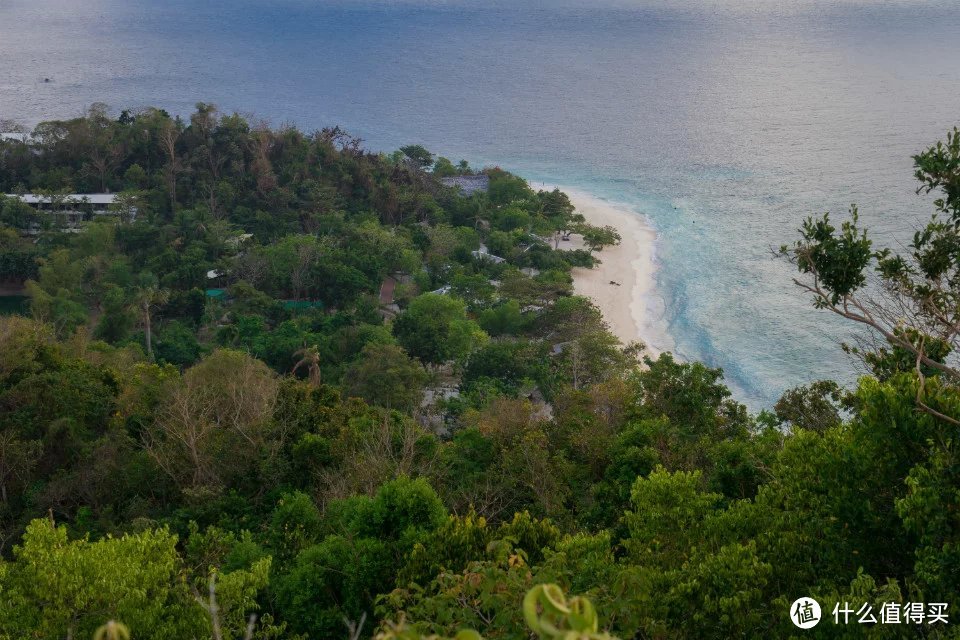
(309, 359)
(146, 298)
(212, 425)
(169, 134)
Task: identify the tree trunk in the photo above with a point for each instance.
(169, 141)
(146, 331)
(173, 192)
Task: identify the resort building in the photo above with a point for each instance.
(468, 185)
(14, 136)
(68, 211)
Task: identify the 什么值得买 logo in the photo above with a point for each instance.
(805, 612)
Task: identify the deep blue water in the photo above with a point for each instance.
(725, 121)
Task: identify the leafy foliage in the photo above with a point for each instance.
(296, 385)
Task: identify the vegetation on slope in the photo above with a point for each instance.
(368, 418)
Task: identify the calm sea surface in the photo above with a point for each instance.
(724, 121)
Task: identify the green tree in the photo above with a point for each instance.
(586, 352)
(443, 167)
(505, 319)
(386, 376)
(295, 525)
(342, 574)
(146, 297)
(418, 155)
(117, 320)
(816, 406)
(506, 188)
(435, 328)
(668, 511)
(177, 344)
(919, 322)
(57, 588)
(596, 238)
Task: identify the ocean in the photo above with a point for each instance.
(724, 122)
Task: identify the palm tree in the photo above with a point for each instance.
(309, 358)
(480, 217)
(229, 334)
(146, 298)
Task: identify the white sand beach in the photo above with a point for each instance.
(629, 306)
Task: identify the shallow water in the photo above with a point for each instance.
(726, 122)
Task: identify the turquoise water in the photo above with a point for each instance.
(725, 122)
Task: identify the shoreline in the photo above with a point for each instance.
(628, 309)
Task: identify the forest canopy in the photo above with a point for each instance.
(289, 388)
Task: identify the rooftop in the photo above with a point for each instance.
(15, 136)
(468, 184)
(483, 255)
(69, 198)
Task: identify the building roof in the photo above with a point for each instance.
(387, 288)
(483, 255)
(468, 184)
(14, 135)
(297, 305)
(72, 198)
(236, 241)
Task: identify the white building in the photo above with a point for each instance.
(14, 136)
(71, 209)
